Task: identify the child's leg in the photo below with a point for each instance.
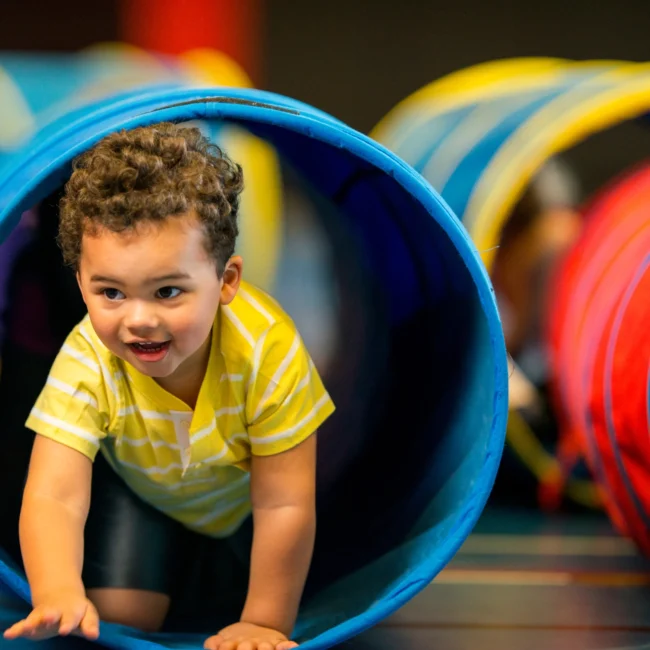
(144, 610)
(131, 556)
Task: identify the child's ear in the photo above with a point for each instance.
(77, 275)
(231, 279)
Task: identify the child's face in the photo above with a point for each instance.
(152, 293)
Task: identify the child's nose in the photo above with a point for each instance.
(141, 316)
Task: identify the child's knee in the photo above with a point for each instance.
(143, 610)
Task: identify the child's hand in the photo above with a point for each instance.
(246, 636)
(59, 615)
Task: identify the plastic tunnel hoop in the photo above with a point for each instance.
(479, 135)
(597, 335)
(443, 383)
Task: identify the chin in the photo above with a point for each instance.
(158, 373)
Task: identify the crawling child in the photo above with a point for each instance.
(195, 388)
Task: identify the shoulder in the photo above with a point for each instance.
(84, 356)
(253, 321)
(83, 338)
(77, 402)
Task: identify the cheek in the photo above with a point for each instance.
(194, 322)
(104, 323)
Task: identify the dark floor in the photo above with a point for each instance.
(527, 582)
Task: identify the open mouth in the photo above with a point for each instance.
(150, 350)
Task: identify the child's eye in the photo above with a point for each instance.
(113, 294)
(169, 292)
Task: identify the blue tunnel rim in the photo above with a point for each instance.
(52, 133)
(243, 105)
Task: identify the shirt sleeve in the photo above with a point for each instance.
(72, 406)
(287, 400)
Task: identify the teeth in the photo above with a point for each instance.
(149, 346)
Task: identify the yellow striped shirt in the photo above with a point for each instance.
(261, 395)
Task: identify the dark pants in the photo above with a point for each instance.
(131, 545)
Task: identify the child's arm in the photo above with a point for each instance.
(53, 516)
(54, 511)
(283, 494)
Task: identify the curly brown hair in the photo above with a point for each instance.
(149, 174)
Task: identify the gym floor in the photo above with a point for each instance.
(524, 581)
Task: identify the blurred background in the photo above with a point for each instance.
(566, 489)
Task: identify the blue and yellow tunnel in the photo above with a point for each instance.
(479, 135)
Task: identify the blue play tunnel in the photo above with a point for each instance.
(420, 379)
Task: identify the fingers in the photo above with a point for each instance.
(257, 645)
(40, 624)
(227, 645)
(15, 631)
(219, 643)
(69, 622)
(41, 617)
(89, 625)
(40, 620)
(266, 645)
(213, 643)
